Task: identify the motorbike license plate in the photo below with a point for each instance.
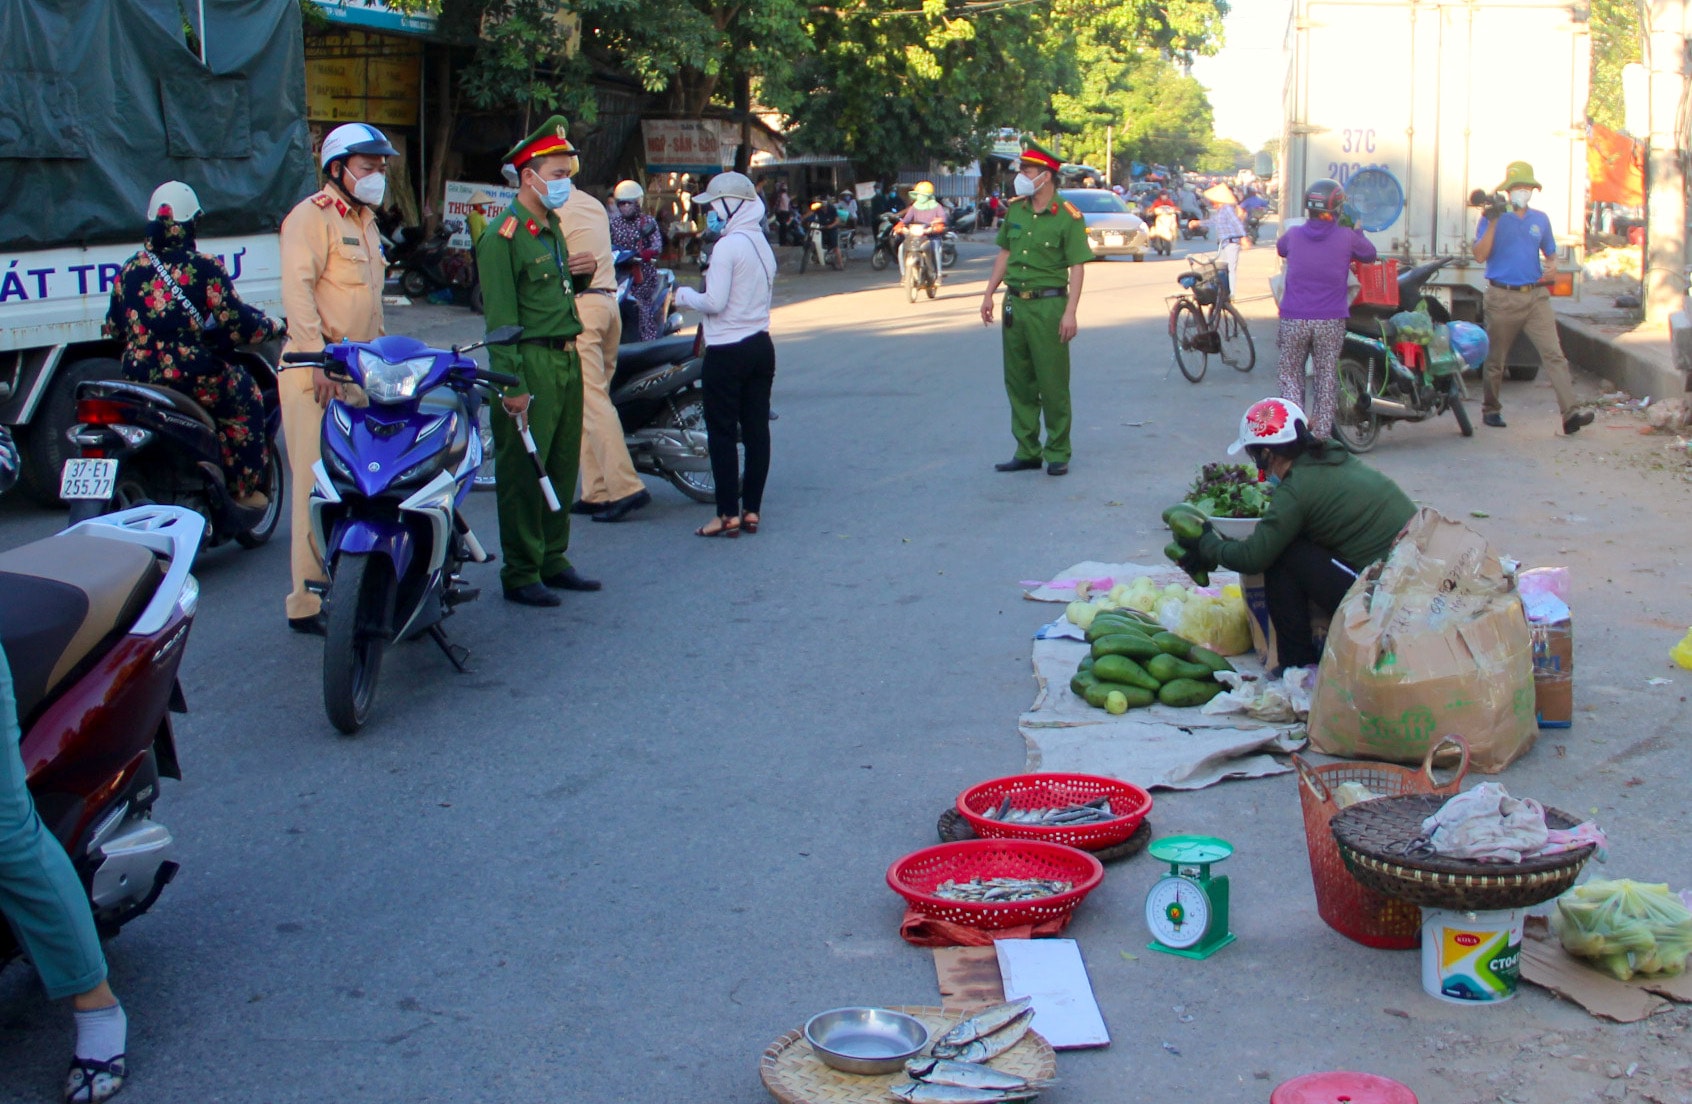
(1440, 295)
(88, 479)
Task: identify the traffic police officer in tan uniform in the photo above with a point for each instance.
(610, 488)
(1042, 247)
(529, 279)
(332, 276)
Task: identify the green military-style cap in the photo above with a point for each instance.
(1034, 154)
(550, 137)
(1518, 175)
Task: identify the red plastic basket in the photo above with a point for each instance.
(1348, 906)
(1033, 791)
(1380, 283)
(915, 876)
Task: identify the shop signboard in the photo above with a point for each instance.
(355, 77)
(682, 145)
(462, 198)
(377, 15)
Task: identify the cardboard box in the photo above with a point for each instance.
(1431, 642)
(1553, 673)
(1263, 630)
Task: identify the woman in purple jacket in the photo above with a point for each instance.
(1316, 299)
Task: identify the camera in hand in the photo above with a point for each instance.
(1494, 203)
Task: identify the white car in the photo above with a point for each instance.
(1113, 229)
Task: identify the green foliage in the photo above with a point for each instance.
(1615, 43)
(521, 58)
(1224, 156)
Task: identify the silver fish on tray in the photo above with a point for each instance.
(921, 1092)
(984, 1022)
(967, 1075)
(994, 890)
(1097, 811)
(989, 1046)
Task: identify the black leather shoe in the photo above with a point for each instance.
(1017, 465)
(1057, 467)
(311, 626)
(1496, 421)
(583, 506)
(570, 579)
(532, 594)
(623, 507)
(1574, 421)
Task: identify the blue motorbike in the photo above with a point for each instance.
(385, 504)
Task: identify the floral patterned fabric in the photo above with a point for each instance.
(641, 233)
(165, 345)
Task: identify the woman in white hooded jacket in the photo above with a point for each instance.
(739, 356)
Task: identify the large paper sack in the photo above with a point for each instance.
(1430, 642)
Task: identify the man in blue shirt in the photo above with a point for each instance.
(1510, 243)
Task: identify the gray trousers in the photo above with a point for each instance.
(1509, 313)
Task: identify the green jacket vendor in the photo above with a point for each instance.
(1330, 516)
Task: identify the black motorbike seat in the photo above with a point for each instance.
(161, 396)
(64, 602)
(639, 356)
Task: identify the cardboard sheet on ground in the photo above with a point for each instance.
(968, 977)
(1547, 965)
(1155, 747)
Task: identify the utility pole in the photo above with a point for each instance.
(1665, 185)
(1109, 135)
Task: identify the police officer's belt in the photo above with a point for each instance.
(549, 342)
(1039, 293)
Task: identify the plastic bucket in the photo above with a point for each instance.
(1471, 957)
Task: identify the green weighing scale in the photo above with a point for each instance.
(1187, 908)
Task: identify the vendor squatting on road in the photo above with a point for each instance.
(1331, 516)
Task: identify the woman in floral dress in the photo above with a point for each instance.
(632, 228)
(178, 338)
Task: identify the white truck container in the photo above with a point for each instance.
(1443, 94)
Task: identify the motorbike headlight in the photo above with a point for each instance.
(391, 383)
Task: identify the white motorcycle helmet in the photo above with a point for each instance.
(628, 191)
(1270, 422)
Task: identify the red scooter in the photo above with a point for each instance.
(94, 621)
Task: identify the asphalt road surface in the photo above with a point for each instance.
(648, 834)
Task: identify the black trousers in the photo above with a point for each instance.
(737, 381)
(1306, 575)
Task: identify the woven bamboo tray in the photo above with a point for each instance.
(954, 828)
(1374, 835)
(794, 1075)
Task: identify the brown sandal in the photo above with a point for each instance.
(749, 522)
(726, 527)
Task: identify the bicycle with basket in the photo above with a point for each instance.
(1204, 323)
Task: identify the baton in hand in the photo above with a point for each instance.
(552, 502)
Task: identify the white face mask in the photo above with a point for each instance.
(368, 190)
(1519, 197)
(1025, 185)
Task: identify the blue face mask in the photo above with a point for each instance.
(1273, 480)
(714, 222)
(557, 193)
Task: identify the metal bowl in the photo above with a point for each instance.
(865, 1040)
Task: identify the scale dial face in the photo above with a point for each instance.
(1178, 912)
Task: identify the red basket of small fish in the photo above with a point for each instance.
(995, 883)
(1083, 810)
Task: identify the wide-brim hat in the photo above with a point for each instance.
(1519, 175)
(727, 185)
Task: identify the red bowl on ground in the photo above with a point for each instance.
(915, 877)
(1034, 791)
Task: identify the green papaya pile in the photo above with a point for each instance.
(1135, 662)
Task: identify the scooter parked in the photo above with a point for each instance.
(1388, 376)
(886, 249)
(95, 621)
(140, 443)
(426, 266)
(661, 404)
(385, 507)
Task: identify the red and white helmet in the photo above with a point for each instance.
(1269, 422)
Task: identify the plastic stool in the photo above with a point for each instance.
(1342, 1087)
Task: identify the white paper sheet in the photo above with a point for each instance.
(1051, 971)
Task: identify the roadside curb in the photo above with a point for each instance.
(1638, 364)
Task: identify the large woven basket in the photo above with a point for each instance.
(1374, 835)
(795, 1075)
(1345, 904)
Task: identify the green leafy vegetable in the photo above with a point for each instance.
(1229, 490)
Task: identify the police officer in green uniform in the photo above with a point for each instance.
(1042, 246)
(528, 278)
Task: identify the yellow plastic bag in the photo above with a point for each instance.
(1625, 927)
(1682, 653)
(1217, 623)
